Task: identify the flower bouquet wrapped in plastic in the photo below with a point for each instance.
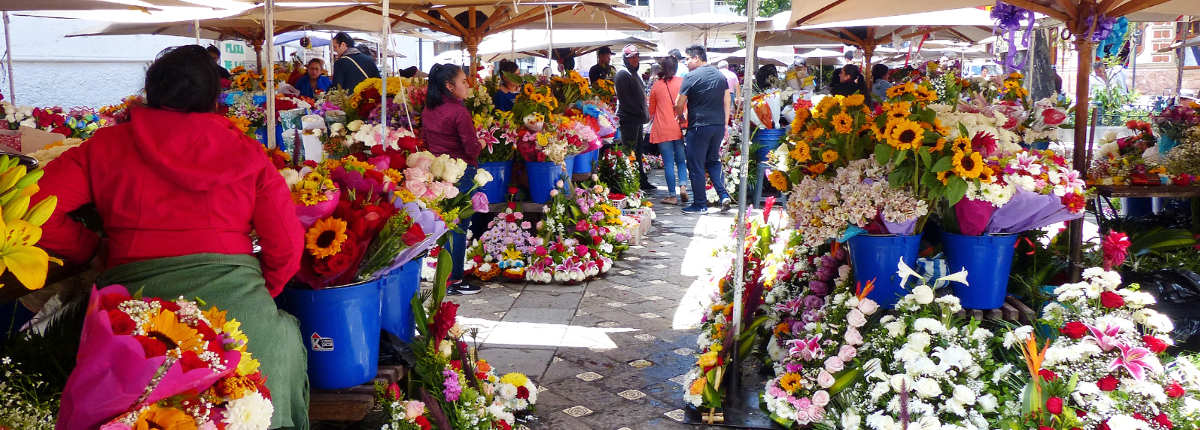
(144, 361)
(1024, 191)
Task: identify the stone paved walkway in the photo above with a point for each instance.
(609, 353)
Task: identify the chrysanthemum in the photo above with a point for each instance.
(968, 165)
(829, 156)
(325, 238)
(801, 152)
(160, 417)
(843, 123)
(251, 412)
(906, 135)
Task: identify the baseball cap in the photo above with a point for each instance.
(604, 50)
(674, 53)
(630, 51)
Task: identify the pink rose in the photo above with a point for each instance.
(867, 306)
(856, 318)
(416, 174)
(820, 398)
(847, 353)
(479, 202)
(825, 379)
(449, 191)
(853, 337)
(417, 188)
(414, 409)
(834, 364)
(816, 413)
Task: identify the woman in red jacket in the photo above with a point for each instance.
(180, 192)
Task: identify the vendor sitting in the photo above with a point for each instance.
(314, 80)
(510, 86)
(180, 190)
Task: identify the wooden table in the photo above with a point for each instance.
(1168, 191)
(351, 404)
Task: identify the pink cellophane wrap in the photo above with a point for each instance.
(973, 216)
(111, 372)
(310, 214)
(1028, 211)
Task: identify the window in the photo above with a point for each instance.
(638, 2)
(718, 2)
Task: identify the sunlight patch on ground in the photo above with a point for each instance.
(493, 332)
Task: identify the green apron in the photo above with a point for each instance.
(234, 283)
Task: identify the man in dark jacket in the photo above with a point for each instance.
(351, 66)
(632, 111)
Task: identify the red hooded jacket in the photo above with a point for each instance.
(168, 184)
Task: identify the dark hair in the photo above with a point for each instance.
(439, 76)
(343, 37)
(316, 60)
(879, 71)
(213, 50)
(669, 66)
(184, 79)
(564, 55)
(408, 72)
(697, 51)
(508, 66)
(762, 78)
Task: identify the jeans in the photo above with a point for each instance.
(631, 139)
(704, 155)
(674, 159)
(458, 239)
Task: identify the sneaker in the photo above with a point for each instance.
(695, 210)
(462, 288)
(647, 186)
(726, 203)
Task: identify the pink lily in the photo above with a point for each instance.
(1104, 338)
(1136, 360)
(792, 307)
(807, 349)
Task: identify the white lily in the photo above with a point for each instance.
(960, 277)
(904, 271)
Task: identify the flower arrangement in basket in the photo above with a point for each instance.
(504, 248)
(1172, 122)
(579, 238)
(176, 366)
(1183, 161)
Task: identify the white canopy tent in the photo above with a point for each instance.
(535, 43)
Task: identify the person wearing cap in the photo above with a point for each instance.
(735, 88)
(603, 68)
(352, 66)
(705, 96)
(632, 112)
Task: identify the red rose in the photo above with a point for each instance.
(1047, 375)
(1111, 300)
(1073, 330)
(1080, 413)
(1054, 405)
(1174, 390)
(456, 364)
(1108, 383)
(414, 235)
(443, 320)
(1053, 117)
(1155, 344)
(512, 190)
(423, 422)
(111, 300)
(121, 323)
(152, 347)
(190, 361)
(1162, 420)
(522, 392)
(501, 425)
(394, 391)
(1103, 426)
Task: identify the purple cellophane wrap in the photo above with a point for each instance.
(112, 373)
(430, 223)
(1028, 210)
(309, 215)
(973, 216)
(905, 227)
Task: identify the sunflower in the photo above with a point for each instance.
(968, 165)
(817, 169)
(159, 417)
(801, 152)
(778, 180)
(899, 110)
(895, 91)
(829, 156)
(815, 133)
(987, 175)
(941, 176)
(905, 135)
(791, 382)
(802, 115)
(853, 100)
(924, 94)
(843, 123)
(940, 145)
(961, 144)
(826, 104)
(325, 238)
(939, 127)
(166, 328)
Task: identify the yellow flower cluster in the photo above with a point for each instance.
(311, 190)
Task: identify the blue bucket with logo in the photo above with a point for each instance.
(874, 257)
(1165, 143)
(501, 172)
(542, 177)
(261, 135)
(340, 327)
(988, 261)
(398, 290)
(585, 161)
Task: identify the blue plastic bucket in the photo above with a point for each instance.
(340, 327)
(874, 257)
(1165, 143)
(501, 172)
(988, 261)
(1139, 206)
(1040, 145)
(569, 163)
(584, 161)
(542, 177)
(398, 290)
(767, 139)
(261, 134)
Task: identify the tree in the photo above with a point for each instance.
(766, 8)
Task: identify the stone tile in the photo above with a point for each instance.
(640, 364)
(676, 415)
(686, 352)
(539, 315)
(589, 376)
(544, 299)
(631, 394)
(531, 362)
(579, 411)
(645, 337)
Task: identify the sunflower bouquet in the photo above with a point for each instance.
(534, 106)
(570, 88)
(164, 364)
(1023, 191)
(824, 138)
(606, 90)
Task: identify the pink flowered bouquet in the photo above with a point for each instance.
(1025, 191)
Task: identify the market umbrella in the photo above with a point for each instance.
(535, 43)
(29, 5)
(829, 11)
(707, 22)
(778, 58)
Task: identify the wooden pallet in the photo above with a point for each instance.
(1012, 311)
(350, 404)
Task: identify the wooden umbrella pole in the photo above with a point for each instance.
(868, 52)
(1083, 46)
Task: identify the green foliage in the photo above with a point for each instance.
(766, 8)
(1116, 106)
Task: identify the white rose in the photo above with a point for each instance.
(855, 318)
(922, 294)
(482, 176)
(851, 420)
(988, 403)
(895, 328)
(964, 395)
(354, 125)
(928, 388)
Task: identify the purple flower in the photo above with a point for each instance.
(794, 367)
(825, 274)
(452, 388)
(811, 316)
(819, 288)
(813, 302)
(479, 202)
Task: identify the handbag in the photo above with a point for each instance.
(680, 118)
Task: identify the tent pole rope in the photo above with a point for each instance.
(8, 57)
(739, 281)
(550, 35)
(269, 31)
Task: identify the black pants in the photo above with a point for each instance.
(633, 138)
